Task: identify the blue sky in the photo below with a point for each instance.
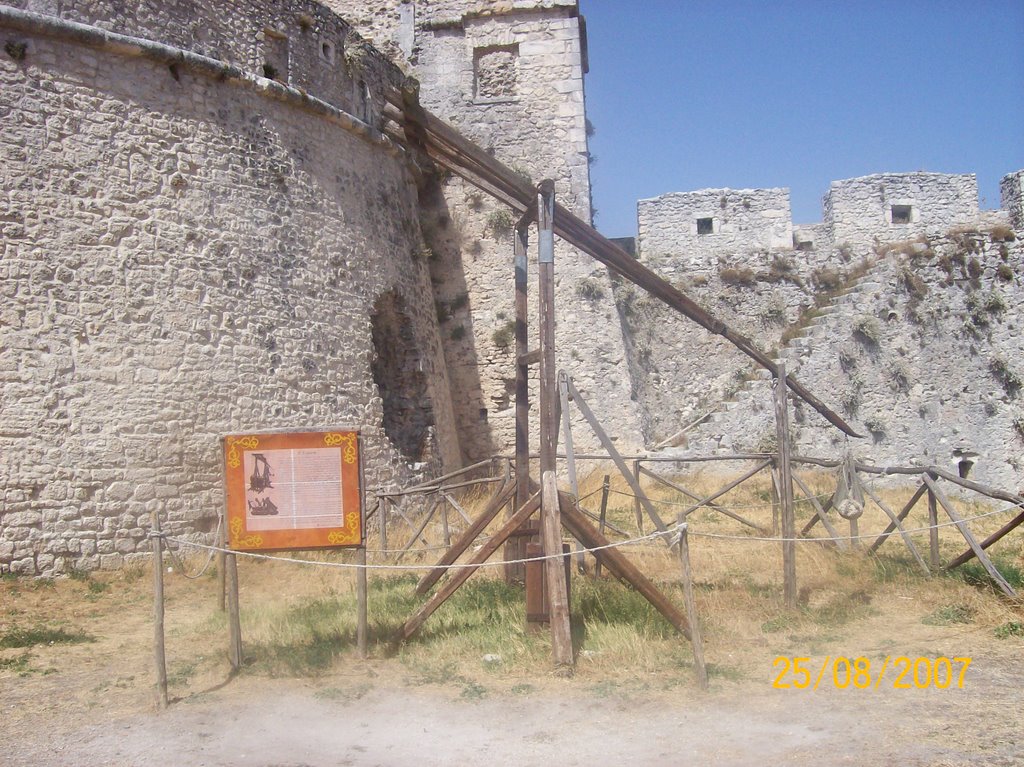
(796, 93)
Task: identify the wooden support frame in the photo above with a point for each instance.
(936, 493)
(464, 541)
(619, 462)
(897, 522)
(413, 624)
(693, 496)
(921, 490)
(820, 514)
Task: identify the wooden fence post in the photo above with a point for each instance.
(361, 591)
(234, 619)
(786, 489)
(515, 549)
(699, 667)
(933, 529)
(637, 511)
(158, 611)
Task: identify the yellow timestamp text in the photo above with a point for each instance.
(841, 672)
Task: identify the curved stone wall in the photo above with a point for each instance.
(183, 257)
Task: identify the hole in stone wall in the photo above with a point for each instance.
(396, 367)
(327, 51)
(805, 245)
(705, 225)
(901, 214)
(275, 55)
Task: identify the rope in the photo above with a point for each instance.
(713, 505)
(457, 565)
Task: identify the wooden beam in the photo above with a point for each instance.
(969, 554)
(413, 624)
(894, 520)
(550, 514)
(785, 488)
(496, 504)
(528, 358)
(602, 518)
(820, 513)
(619, 565)
(419, 530)
(965, 531)
(722, 491)
(899, 518)
(933, 529)
(158, 611)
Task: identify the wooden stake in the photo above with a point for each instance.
(158, 611)
(570, 457)
(711, 504)
(361, 603)
(699, 668)
(554, 571)
(382, 520)
(221, 581)
(786, 489)
(423, 526)
(602, 518)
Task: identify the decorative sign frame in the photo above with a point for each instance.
(293, 490)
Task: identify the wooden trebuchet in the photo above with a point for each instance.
(460, 155)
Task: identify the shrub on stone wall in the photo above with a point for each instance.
(505, 335)
(1007, 377)
(741, 277)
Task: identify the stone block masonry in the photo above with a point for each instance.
(182, 258)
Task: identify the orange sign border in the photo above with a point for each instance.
(240, 538)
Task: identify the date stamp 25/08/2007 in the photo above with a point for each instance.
(841, 672)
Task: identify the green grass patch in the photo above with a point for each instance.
(1010, 629)
(29, 637)
(949, 615)
(18, 664)
(974, 572)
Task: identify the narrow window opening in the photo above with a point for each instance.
(705, 225)
(327, 51)
(805, 245)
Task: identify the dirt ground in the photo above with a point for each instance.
(92, 703)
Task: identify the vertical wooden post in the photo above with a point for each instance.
(382, 514)
(699, 668)
(551, 520)
(516, 547)
(570, 457)
(602, 517)
(786, 489)
(933, 530)
(234, 620)
(444, 523)
(361, 589)
(637, 511)
(158, 611)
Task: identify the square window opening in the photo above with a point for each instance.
(901, 214)
(705, 225)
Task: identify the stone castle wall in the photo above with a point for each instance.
(683, 231)
(889, 207)
(184, 257)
